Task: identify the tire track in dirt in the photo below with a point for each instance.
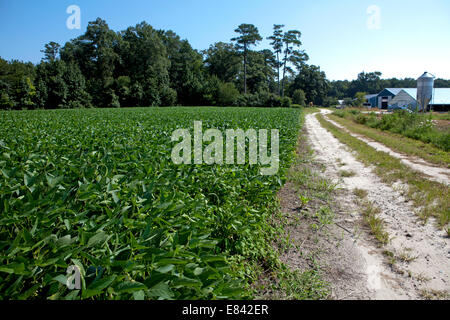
(432, 172)
(426, 251)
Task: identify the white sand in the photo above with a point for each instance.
(410, 237)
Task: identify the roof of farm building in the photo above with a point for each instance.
(440, 95)
(370, 96)
(395, 91)
(390, 91)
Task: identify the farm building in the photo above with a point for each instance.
(383, 99)
(441, 100)
(438, 99)
(407, 97)
(370, 100)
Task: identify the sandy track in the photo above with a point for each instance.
(431, 171)
(430, 268)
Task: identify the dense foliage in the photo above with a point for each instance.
(412, 125)
(142, 66)
(97, 188)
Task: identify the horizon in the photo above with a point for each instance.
(369, 36)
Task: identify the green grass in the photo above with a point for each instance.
(441, 116)
(405, 256)
(377, 226)
(314, 195)
(97, 188)
(370, 217)
(309, 110)
(434, 294)
(360, 193)
(398, 142)
(414, 126)
(429, 197)
(347, 173)
(308, 285)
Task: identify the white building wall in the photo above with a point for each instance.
(403, 99)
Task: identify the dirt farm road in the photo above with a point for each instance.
(421, 252)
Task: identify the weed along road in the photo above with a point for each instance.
(432, 172)
(404, 258)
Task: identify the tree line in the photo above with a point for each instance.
(371, 83)
(142, 66)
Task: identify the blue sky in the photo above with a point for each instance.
(413, 36)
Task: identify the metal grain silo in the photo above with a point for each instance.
(425, 86)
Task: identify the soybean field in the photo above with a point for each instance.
(96, 188)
